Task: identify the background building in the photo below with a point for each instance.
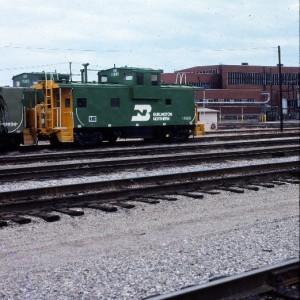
(243, 92)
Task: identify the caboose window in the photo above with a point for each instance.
(128, 76)
(115, 102)
(103, 79)
(81, 102)
(154, 79)
(140, 78)
(168, 101)
(67, 102)
(57, 101)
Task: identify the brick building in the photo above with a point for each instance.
(243, 92)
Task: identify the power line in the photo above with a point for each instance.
(115, 50)
(48, 49)
(37, 66)
(131, 50)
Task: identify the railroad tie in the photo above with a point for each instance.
(146, 200)
(45, 216)
(3, 223)
(212, 192)
(191, 195)
(250, 187)
(14, 218)
(266, 185)
(292, 181)
(232, 189)
(124, 205)
(70, 212)
(278, 154)
(20, 220)
(162, 197)
(278, 182)
(103, 207)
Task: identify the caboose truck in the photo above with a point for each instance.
(125, 103)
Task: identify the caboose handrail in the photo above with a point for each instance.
(60, 105)
(18, 125)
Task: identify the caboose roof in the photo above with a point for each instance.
(74, 84)
(134, 69)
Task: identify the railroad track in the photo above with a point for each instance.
(258, 125)
(111, 194)
(145, 150)
(280, 281)
(94, 167)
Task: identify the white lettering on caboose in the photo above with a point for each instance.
(9, 124)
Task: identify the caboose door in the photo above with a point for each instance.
(66, 133)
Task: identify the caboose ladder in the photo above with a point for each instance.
(49, 101)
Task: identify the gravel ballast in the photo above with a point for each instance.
(150, 249)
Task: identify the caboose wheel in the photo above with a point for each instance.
(54, 141)
(112, 139)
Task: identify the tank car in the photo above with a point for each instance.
(124, 103)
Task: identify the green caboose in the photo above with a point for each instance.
(125, 103)
(13, 117)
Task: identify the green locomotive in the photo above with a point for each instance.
(125, 103)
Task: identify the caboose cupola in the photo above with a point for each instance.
(145, 83)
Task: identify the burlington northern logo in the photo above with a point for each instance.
(143, 113)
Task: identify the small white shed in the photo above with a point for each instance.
(209, 117)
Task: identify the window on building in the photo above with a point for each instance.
(238, 78)
(81, 102)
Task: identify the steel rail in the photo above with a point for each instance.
(251, 283)
(150, 150)
(94, 167)
(258, 131)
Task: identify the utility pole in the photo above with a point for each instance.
(70, 65)
(280, 90)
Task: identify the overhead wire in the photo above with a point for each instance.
(110, 50)
(130, 50)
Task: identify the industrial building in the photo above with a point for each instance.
(243, 92)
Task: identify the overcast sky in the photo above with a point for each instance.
(171, 35)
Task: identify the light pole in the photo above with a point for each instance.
(280, 89)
